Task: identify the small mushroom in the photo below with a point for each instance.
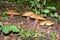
(28, 14)
(37, 18)
(42, 23)
(12, 13)
(47, 23)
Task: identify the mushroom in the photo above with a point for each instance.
(47, 23)
(42, 23)
(37, 18)
(28, 14)
(12, 13)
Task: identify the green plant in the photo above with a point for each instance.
(1, 25)
(4, 16)
(53, 36)
(25, 34)
(10, 28)
(49, 12)
(59, 18)
(35, 6)
(40, 36)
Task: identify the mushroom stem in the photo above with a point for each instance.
(35, 22)
(28, 19)
(11, 16)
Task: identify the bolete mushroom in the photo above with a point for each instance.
(37, 18)
(12, 13)
(28, 14)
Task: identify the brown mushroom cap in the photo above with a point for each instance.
(37, 17)
(42, 23)
(12, 12)
(49, 23)
(27, 13)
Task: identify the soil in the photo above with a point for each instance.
(22, 23)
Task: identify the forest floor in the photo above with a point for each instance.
(22, 23)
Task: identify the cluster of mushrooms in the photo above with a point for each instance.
(32, 15)
(43, 21)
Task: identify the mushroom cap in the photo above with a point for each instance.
(27, 13)
(12, 12)
(40, 17)
(42, 23)
(49, 23)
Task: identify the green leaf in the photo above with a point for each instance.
(52, 8)
(14, 28)
(45, 15)
(59, 18)
(0, 29)
(46, 11)
(42, 10)
(36, 11)
(52, 15)
(6, 30)
(27, 34)
(32, 3)
(1, 24)
(53, 36)
(48, 7)
(38, 5)
(24, 33)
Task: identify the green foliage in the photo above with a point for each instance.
(14, 28)
(49, 12)
(35, 3)
(53, 36)
(36, 11)
(10, 28)
(4, 16)
(46, 11)
(35, 6)
(51, 8)
(24, 33)
(59, 18)
(1, 25)
(6, 29)
(41, 36)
